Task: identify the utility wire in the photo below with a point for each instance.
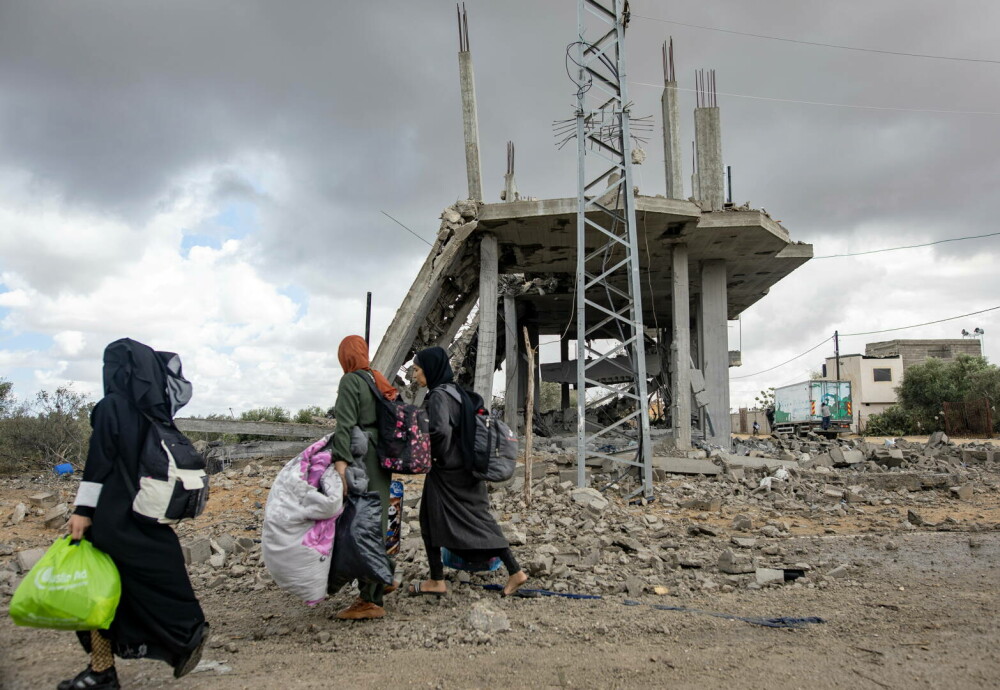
(847, 335)
(909, 246)
(822, 45)
(406, 228)
(928, 323)
(835, 105)
(733, 378)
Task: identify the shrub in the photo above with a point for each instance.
(306, 414)
(895, 421)
(52, 429)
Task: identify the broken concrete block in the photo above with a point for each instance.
(839, 571)
(711, 505)
(634, 587)
(56, 517)
(744, 542)
(20, 510)
(217, 560)
(963, 493)
(853, 457)
(938, 438)
(484, 619)
(591, 498)
(743, 523)
(227, 543)
(973, 457)
(769, 575)
(43, 500)
(734, 564)
(914, 518)
(26, 559)
(196, 551)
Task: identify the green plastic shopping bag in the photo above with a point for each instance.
(74, 586)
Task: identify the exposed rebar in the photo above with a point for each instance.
(706, 94)
(463, 28)
(668, 62)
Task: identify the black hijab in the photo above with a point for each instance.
(150, 380)
(437, 370)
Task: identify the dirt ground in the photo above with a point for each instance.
(919, 609)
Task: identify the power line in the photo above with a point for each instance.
(836, 105)
(822, 45)
(928, 323)
(733, 378)
(909, 246)
(406, 228)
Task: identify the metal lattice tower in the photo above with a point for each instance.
(608, 295)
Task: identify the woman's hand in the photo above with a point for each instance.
(78, 524)
(341, 468)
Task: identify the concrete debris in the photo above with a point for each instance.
(730, 562)
(767, 576)
(485, 620)
(710, 532)
(26, 559)
(20, 510)
(43, 500)
(56, 517)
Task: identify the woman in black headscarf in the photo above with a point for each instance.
(158, 616)
(455, 506)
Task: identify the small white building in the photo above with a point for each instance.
(873, 383)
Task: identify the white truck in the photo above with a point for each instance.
(798, 407)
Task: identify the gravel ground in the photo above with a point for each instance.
(903, 604)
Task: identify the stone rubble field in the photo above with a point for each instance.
(893, 546)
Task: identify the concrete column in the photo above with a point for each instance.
(708, 149)
(680, 350)
(487, 349)
(513, 361)
(672, 141)
(470, 121)
(714, 342)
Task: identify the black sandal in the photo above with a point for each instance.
(89, 679)
(190, 661)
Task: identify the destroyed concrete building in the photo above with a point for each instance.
(702, 261)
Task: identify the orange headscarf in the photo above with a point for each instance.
(353, 355)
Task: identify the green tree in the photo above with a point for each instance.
(7, 400)
(765, 399)
(928, 385)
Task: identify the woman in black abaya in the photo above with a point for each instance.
(159, 616)
(455, 506)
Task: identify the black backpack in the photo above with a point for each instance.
(495, 450)
(404, 441)
(173, 484)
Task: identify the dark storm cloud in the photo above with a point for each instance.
(107, 103)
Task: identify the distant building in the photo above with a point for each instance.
(873, 382)
(917, 351)
(875, 375)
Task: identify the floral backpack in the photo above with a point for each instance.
(404, 444)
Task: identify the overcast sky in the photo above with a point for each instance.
(208, 177)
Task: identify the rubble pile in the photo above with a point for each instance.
(697, 534)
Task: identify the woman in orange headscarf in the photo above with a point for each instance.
(356, 406)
